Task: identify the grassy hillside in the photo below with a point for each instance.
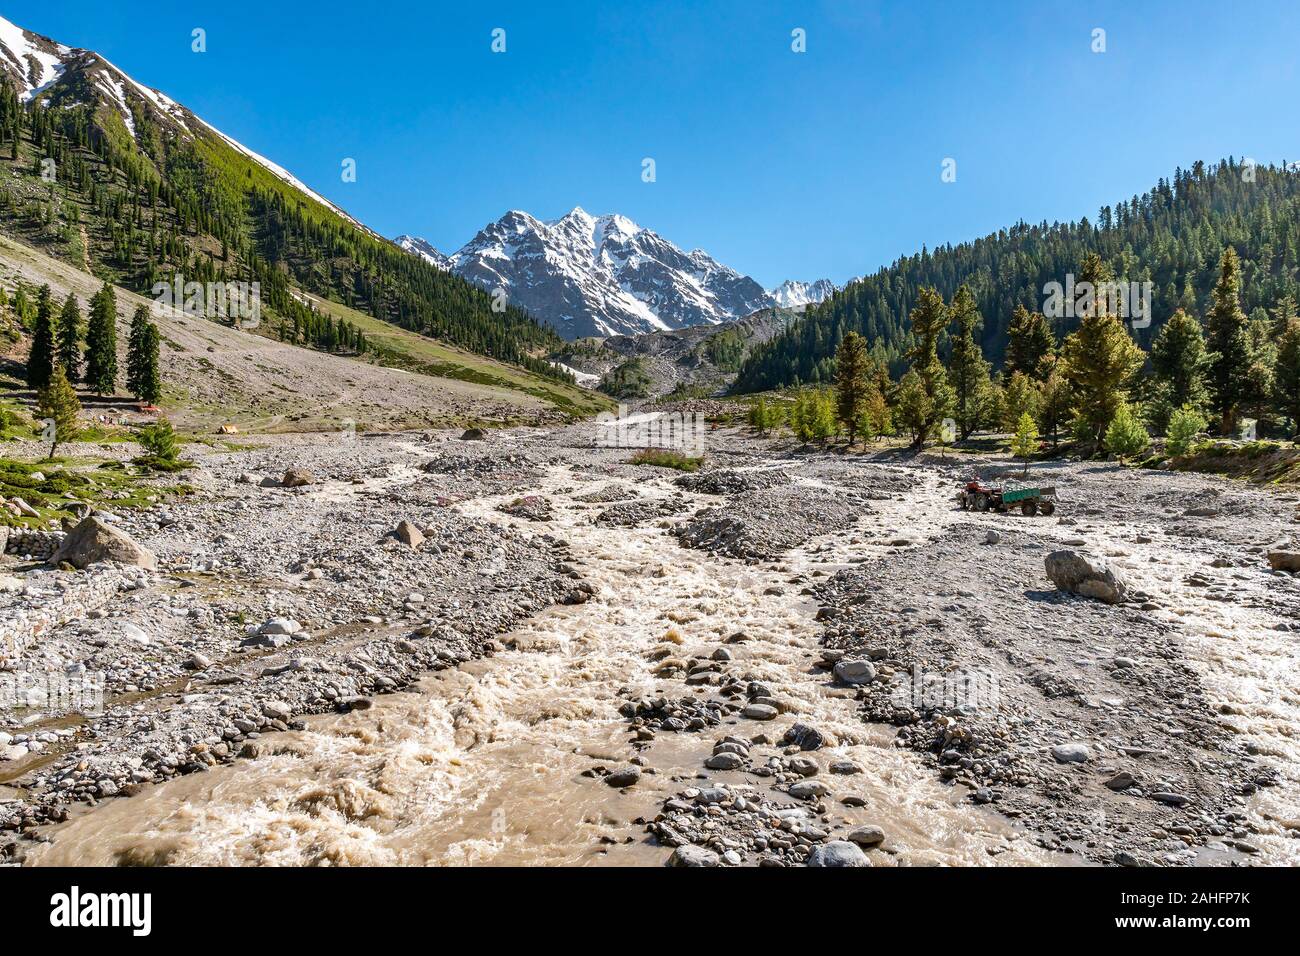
(137, 189)
(215, 374)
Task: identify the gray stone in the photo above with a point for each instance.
(1122, 781)
(759, 712)
(867, 836)
(855, 672)
(694, 856)
(1086, 575)
(725, 761)
(94, 541)
(803, 766)
(624, 777)
(808, 789)
(838, 853)
(1072, 753)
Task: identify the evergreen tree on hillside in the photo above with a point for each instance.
(142, 376)
(1180, 361)
(1100, 359)
(150, 379)
(929, 318)
(42, 358)
(1284, 313)
(1229, 342)
(1170, 235)
(57, 404)
(851, 382)
(101, 342)
(68, 338)
(135, 350)
(1286, 375)
(1258, 397)
(1029, 343)
(968, 371)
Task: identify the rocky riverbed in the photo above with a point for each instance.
(523, 649)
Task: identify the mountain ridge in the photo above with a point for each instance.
(606, 275)
(114, 176)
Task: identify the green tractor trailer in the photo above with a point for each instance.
(977, 496)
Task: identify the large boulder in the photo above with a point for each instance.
(94, 541)
(1086, 575)
(838, 853)
(297, 477)
(694, 856)
(855, 672)
(1284, 560)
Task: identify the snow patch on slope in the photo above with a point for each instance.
(39, 67)
(599, 275)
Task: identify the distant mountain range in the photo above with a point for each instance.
(590, 275)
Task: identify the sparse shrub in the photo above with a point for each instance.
(1184, 425)
(1126, 436)
(663, 458)
(162, 450)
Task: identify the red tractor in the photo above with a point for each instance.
(977, 496)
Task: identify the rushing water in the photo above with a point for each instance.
(483, 764)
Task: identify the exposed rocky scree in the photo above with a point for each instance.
(1112, 651)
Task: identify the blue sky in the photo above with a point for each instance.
(820, 164)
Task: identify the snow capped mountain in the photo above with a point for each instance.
(599, 275)
(425, 250)
(59, 75)
(793, 294)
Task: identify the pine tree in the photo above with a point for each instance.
(159, 443)
(101, 343)
(1284, 313)
(824, 424)
(1125, 435)
(1029, 343)
(42, 359)
(928, 318)
(851, 382)
(1184, 425)
(1229, 341)
(135, 350)
(1024, 444)
(915, 408)
(150, 382)
(968, 371)
(1055, 404)
(1019, 398)
(1100, 359)
(1286, 375)
(1258, 397)
(57, 404)
(1179, 359)
(68, 338)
